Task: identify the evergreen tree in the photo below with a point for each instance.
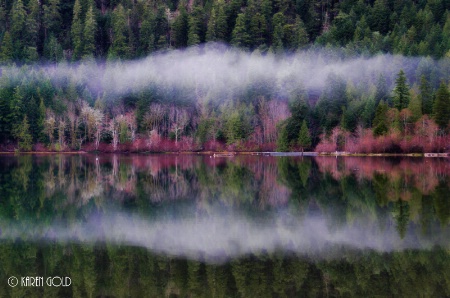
(52, 17)
(89, 33)
(241, 38)
(380, 17)
(381, 92)
(415, 106)
(401, 92)
(15, 107)
(33, 23)
(304, 139)
(282, 141)
(53, 50)
(77, 31)
(180, 29)
(369, 112)
(300, 35)
(278, 31)
(6, 48)
(195, 26)
(441, 107)
(5, 114)
(147, 37)
(217, 23)
(258, 29)
(18, 28)
(119, 43)
(22, 133)
(426, 95)
(380, 126)
(41, 120)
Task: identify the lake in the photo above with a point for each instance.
(245, 226)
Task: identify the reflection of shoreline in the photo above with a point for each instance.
(407, 190)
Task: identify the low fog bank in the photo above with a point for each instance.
(218, 237)
(217, 68)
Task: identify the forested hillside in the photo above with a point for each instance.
(72, 75)
(64, 29)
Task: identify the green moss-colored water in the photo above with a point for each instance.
(248, 226)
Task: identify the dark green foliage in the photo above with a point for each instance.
(401, 92)
(180, 29)
(6, 48)
(426, 95)
(77, 31)
(119, 46)
(129, 29)
(217, 24)
(441, 107)
(22, 133)
(241, 37)
(283, 141)
(89, 33)
(304, 139)
(299, 113)
(382, 92)
(380, 125)
(196, 29)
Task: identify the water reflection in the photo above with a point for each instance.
(215, 209)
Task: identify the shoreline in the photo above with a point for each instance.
(234, 153)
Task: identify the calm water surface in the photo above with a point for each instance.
(248, 226)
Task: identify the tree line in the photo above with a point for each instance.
(55, 30)
(409, 114)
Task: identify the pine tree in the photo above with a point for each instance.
(89, 33)
(119, 44)
(5, 113)
(282, 141)
(52, 18)
(77, 31)
(22, 133)
(195, 26)
(258, 29)
(147, 37)
(304, 139)
(278, 31)
(381, 92)
(211, 34)
(300, 35)
(380, 17)
(18, 28)
(180, 29)
(369, 112)
(401, 92)
(380, 126)
(15, 106)
(53, 50)
(241, 38)
(41, 120)
(33, 23)
(217, 23)
(415, 106)
(441, 107)
(426, 95)
(6, 49)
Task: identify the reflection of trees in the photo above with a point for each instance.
(405, 186)
(99, 271)
(342, 190)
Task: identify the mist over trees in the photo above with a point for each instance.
(74, 74)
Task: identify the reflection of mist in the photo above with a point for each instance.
(220, 235)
